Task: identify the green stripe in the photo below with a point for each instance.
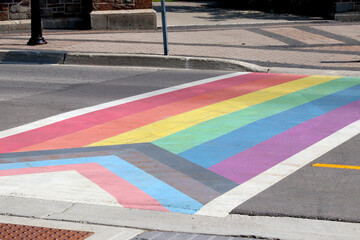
(206, 131)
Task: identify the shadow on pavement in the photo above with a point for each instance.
(218, 13)
(36, 57)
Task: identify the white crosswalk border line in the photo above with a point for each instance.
(75, 113)
(224, 204)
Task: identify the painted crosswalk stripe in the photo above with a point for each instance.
(168, 196)
(119, 188)
(261, 157)
(65, 123)
(188, 100)
(223, 205)
(214, 128)
(193, 147)
(221, 148)
(166, 127)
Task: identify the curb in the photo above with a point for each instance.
(36, 57)
(257, 227)
(15, 25)
(234, 25)
(125, 60)
(160, 62)
(154, 61)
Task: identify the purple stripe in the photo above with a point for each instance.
(253, 161)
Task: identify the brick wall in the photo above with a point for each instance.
(102, 5)
(143, 4)
(355, 1)
(347, 5)
(20, 9)
(14, 9)
(64, 8)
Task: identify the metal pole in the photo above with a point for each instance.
(164, 28)
(36, 31)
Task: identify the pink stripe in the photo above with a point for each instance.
(125, 193)
(253, 161)
(62, 128)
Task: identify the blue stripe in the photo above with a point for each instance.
(168, 196)
(221, 148)
(206, 131)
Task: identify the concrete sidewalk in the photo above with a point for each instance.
(203, 36)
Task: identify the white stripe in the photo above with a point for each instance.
(75, 113)
(63, 186)
(224, 204)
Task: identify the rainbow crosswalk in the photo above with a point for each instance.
(180, 149)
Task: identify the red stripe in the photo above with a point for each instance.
(128, 123)
(125, 193)
(68, 126)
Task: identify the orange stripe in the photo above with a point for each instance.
(128, 123)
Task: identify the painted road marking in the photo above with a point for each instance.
(163, 106)
(223, 205)
(119, 188)
(73, 187)
(291, 110)
(202, 175)
(324, 165)
(80, 112)
(208, 154)
(168, 196)
(169, 126)
(178, 180)
(249, 163)
(209, 146)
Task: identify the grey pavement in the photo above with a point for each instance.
(201, 37)
(32, 92)
(130, 223)
(204, 36)
(210, 14)
(336, 207)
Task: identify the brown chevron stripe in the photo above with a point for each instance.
(178, 180)
(181, 177)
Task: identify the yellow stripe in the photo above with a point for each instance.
(336, 166)
(180, 122)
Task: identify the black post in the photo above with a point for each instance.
(36, 31)
(164, 28)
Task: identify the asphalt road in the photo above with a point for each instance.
(315, 192)
(32, 92)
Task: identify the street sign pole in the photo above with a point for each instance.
(164, 28)
(36, 31)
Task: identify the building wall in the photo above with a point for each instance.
(102, 5)
(62, 8)
(14, 9)
(347, 5)
(20, 9)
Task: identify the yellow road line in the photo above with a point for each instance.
(180, 122)
(336, 166)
